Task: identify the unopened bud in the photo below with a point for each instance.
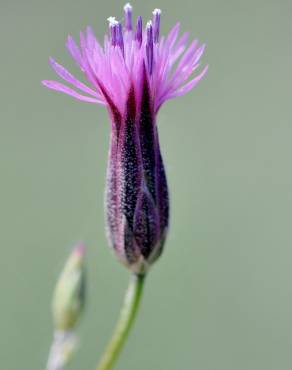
(69, 295)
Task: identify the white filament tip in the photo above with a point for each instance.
(128, 7)
(149, 24)
(112, 21)
(156, 12)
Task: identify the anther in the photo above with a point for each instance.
(120, 39)
(128, 16)
(149, 46)
(156, 24)
(113, 23)
(139, 30)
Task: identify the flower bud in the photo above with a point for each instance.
(69, 295)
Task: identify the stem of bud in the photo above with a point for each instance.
(125, 323)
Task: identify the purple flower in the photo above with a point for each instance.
(133, 74)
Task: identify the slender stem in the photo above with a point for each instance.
(62, 349)
(126, 320)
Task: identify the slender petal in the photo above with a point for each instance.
(67, 76)
(74, 51)
(54, 85)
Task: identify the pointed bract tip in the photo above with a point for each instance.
(80, 249)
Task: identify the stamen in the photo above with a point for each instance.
(149, 46)
(116, 33)
(113, 24)
(128, 16)
(139, 30)
(156, 24)
(120, 39)
(112, 21)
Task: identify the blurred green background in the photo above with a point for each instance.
(220, 298)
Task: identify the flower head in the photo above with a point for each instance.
(127, 53)
(133, 74)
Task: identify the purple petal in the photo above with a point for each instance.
(92, 42)
(67, 76)
(188, 55)
(187, 87)
(54, 85)
(172, 36)
(180, 47)
(185, 67)
(74, 51)
(198, 54)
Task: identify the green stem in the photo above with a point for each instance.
(126, 320)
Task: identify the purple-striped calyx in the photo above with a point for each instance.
(133, 74)
(137, 194)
